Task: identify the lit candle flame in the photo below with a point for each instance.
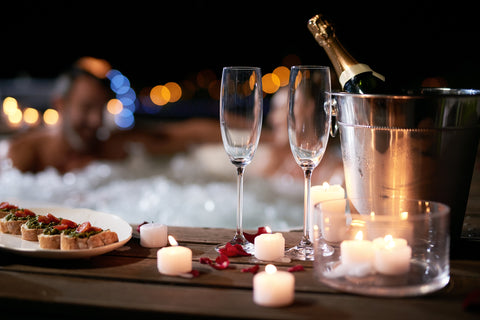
(172, 241)
(404, 215)
(267, 228)
(270, 269)
(359, 235)
(389, 243)
(325, 186)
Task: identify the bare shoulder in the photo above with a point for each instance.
(24, 149)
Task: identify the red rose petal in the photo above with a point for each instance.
(190, 275)
(141, 224)
(251, 237)
(253, 269)
(296, 268)
(233, 250)
(220, 263)
(195, 273)
(205, 260)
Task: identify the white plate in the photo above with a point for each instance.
(103, 220)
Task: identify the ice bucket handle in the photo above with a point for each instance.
(334, 124)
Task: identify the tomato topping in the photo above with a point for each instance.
(68, 223)
(20, 214)
(29, 213)
(49, 218)
(24, 213)
(52, 218)
(96, 229)
(7, 206)
(61, 227)
(86, 227)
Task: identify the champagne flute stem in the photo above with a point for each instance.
(307, 205)
(239, 231)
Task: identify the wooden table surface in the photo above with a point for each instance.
(126, 282)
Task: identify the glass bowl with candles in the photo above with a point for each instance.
(382, 246)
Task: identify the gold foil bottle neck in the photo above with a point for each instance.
(324, 34)
(321, 29)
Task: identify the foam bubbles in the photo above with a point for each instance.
(141, 188)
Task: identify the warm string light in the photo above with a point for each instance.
(125, 103)
(30, 116)
(51, 117)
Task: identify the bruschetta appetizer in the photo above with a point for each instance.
(13, 221)
(52, 232)
(6, 208)
(86, 236)
(50, 237)
(35, 226)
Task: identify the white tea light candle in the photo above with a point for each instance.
(174, 260)
(357, 256)
(273, 288)
(323, 193)
(269, 247)
(333, 224)
(391, 255)
(327, 192)
(153, 235)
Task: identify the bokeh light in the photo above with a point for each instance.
(283, 74)
(9, 105)
(30, 115)
(98, 67)
(125, 119)
(114, 106)
(270, 83)
(160, 95)
(15, 117)
(175, 91)
(51, 117)
(125, 104)
(120, 84)
(128, 99)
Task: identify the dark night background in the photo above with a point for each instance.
(156, 42)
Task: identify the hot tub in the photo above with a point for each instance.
(197, 188)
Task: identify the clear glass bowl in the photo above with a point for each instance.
(382, 246)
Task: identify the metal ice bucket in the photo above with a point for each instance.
(410, 146)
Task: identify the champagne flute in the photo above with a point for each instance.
(241, 108)
(308, 129)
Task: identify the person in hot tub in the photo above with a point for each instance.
(75, 143)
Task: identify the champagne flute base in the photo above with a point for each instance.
(247, 246)
(303, 251)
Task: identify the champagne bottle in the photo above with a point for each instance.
(353, 76)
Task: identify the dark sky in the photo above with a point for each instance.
(155, 42)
